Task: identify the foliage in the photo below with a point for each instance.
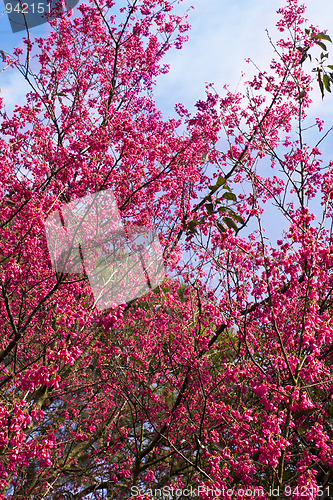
(222, 376)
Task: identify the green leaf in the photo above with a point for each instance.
(238, 218)
(287, 475)
(321, 86)
(229, 196)
(107, 335)
(220, 181)
(322, 36)
(212, 191)
(302, 413)
(304, 56)
(139, 362)
(209, 208)
(230, 223)
(191, 226)
(327, 83)
(229, 210)
(322, 45)
(330, 66)
(220, 227)
(233, 215)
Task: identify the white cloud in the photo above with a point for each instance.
(13, 89)
(223, 35)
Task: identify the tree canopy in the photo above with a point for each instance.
(219, 379)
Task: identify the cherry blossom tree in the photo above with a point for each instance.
(220, 378)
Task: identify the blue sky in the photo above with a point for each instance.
(223, 35)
